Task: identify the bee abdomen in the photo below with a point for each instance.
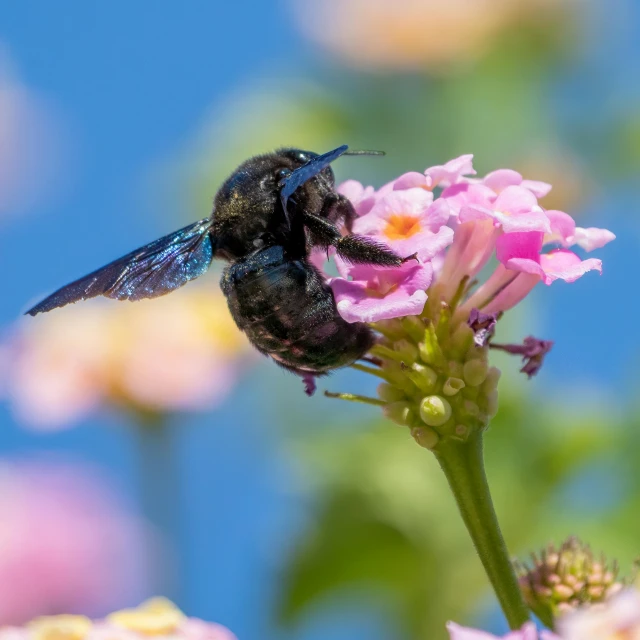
(288, 312)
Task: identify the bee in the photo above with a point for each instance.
(267, 217)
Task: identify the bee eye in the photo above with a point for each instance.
(303, 157)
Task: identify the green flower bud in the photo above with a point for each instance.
(435, 410)
(475, 372)
(414, 326)
(425, 378)
(425, 437)
(452, 386)
(398, 412)
(406, 350)
(389, 393)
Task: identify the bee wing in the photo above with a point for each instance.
(307, 171)
(148, 272)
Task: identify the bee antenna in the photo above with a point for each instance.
(364, 152)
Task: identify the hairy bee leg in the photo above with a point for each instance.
(337, 207)
(356, 249)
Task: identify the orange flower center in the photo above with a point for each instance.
(401, 226)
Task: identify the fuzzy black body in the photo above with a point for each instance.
(267, 216)
(288, 312)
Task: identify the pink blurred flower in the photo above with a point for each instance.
(180, 352)
(66, 544)
(528, 632)
(618, 617)
(155, 618)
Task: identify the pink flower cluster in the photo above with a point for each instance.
(454, 235)
(65, 543)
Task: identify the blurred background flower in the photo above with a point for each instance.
(67, 543)
(181, 352)
(155, 617)
(414, 35)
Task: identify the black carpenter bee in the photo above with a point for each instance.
(266, 218)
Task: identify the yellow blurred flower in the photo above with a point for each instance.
(414, 34)
(177, 352)
(156, 617)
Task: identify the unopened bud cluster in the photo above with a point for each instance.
(438, 382)
(560, 580)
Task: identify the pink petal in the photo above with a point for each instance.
(566, 265)
(410, 180)
(352, 189)
(514, 200)
(414, 201)
(362, 198)
(438, 214)
(538, 188)
(426, 244)
(563, 226)
(450, 173)
(463, 193)
(501, 179)
(523, 222)
(380, 294)
(525, 245)
(592, 238)
(473, 245)
(456, 632)
(502, 291)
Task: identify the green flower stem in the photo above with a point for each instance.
(463, 465)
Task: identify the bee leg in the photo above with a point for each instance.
(337, 207)
(356, 249)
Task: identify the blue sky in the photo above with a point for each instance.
(131, 82)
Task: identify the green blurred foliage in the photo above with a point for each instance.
(386, 519)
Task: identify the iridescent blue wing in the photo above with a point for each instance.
(307, 171)
(148, 272)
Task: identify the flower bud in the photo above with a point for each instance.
(475, 372)
(561, 580)
(406, 350)
(435, 410)
(398, 412)
(425, 378)
(452, 386)
(389, 393)
(425, 437)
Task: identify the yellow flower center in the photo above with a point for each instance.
(401, 226)
(63, 627)
(155, 617)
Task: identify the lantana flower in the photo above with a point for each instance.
(455, 223)
(437, 319)
(154, 618)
